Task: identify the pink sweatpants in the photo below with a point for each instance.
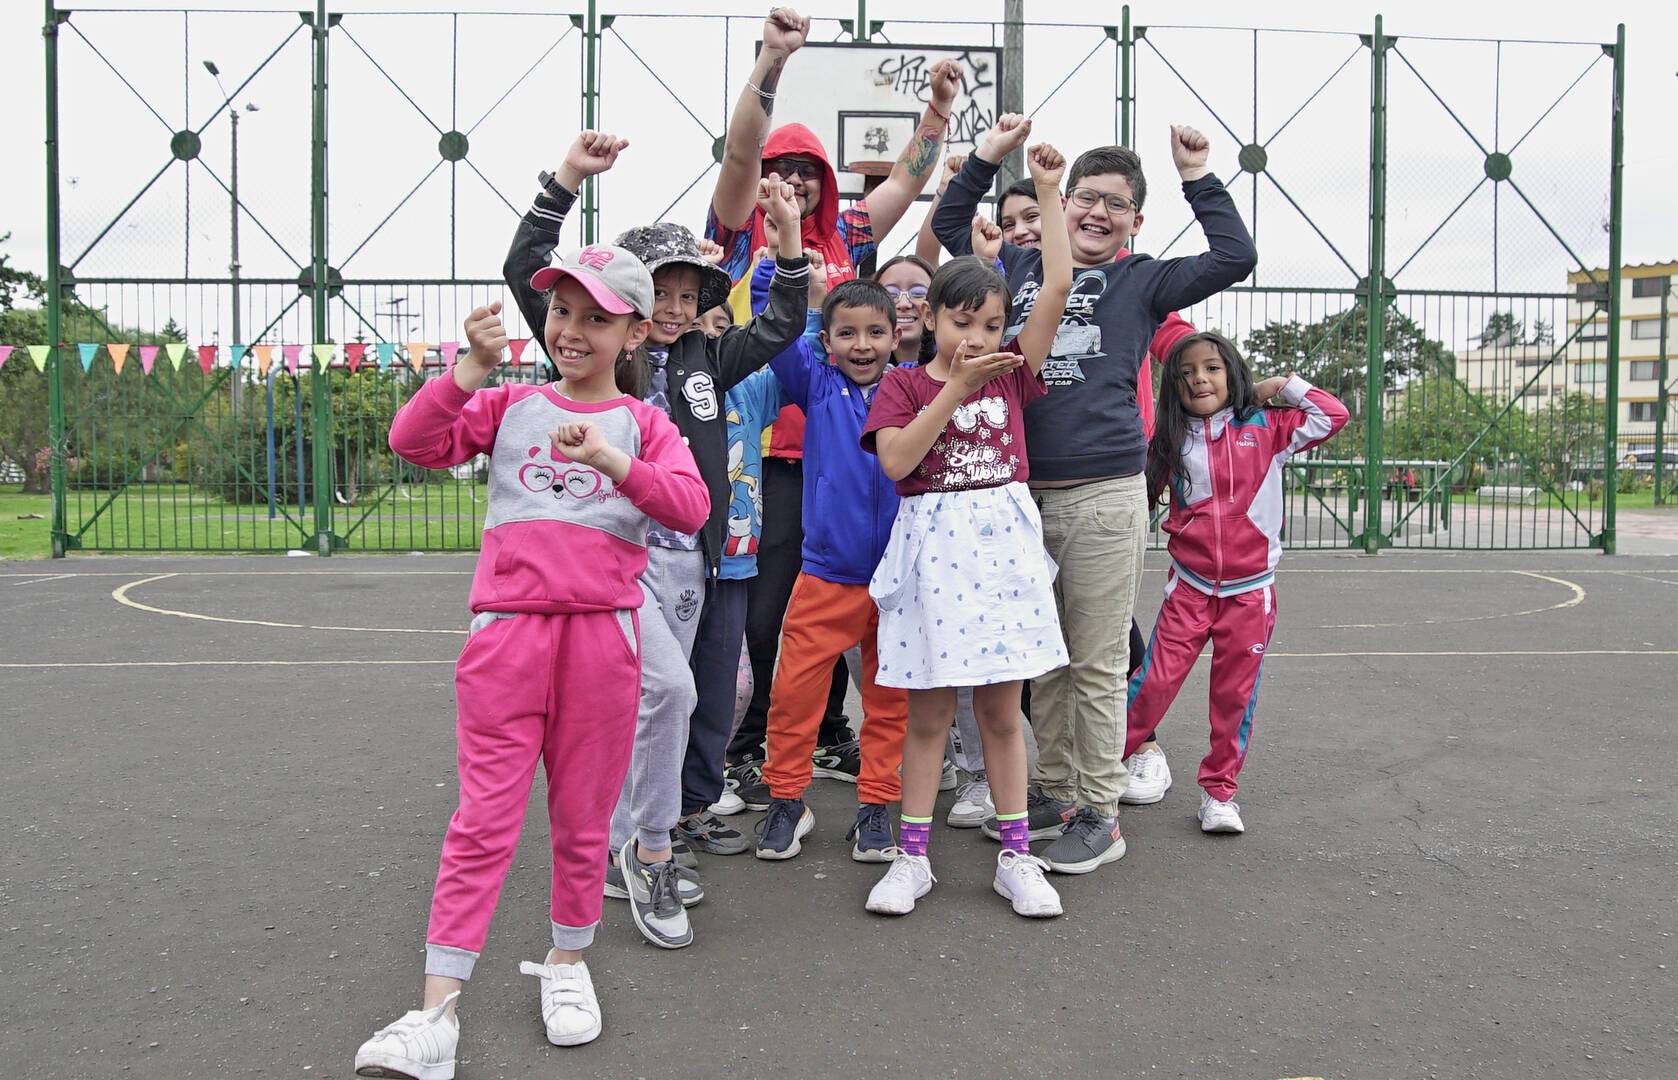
(1239, 628)
(564, 688)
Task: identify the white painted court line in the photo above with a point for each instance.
(37, 580)
(1575, 600)
(120, 595)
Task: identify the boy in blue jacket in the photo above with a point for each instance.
(849, 507)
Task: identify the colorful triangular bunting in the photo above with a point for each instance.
(119, 354)
(87, 350)
(5, 351)
(38, 353)
(148, 357)
(291, 353)
(207, 356)
(264, 359)
(416, 354)
(517, 346)
(323, 355)
(176, 352)
(353, 352)
(387, 353)
(236, 353)
(448, 351)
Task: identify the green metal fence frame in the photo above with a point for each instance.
(1375, 290)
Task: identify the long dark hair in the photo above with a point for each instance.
(1171, 416)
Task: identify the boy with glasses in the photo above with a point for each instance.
(1088, 450)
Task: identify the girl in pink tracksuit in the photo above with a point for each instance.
(551, 670)
(1220, 451)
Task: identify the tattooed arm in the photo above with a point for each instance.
(891, 200)
(748, 130)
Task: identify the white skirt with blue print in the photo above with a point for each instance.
(965, 591)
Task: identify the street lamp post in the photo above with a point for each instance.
(233, 185)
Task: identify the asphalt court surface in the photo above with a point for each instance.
(226, 779)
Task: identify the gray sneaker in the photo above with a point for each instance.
(654, 900)
(711, 834)
(1088, 841)
(687, 885)
(682, 850)
(1046, 816)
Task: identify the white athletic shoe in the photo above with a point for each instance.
(421, 1045)
(973, 805)
(1217, 816)
(909, 879)
(731, 803)
(1150, 778)
(950, 780)
(1019, 878)
(570, 1011)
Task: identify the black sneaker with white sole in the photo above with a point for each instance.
(780, 831)
(1046, 816)
(842, 761)
(749, 785)
(1088, 841)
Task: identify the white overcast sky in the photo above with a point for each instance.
(381, 146)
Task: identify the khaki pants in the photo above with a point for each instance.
(1096, 534)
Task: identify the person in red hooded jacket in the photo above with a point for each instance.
(844, 240)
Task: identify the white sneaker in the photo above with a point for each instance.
(950, 780)
(1020, 879)
(730, 803)
(973, 805)
(421, 1045)
(909, 879)
(1150, 778)
(570, 1011)
(1217, 816)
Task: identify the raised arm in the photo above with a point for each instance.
(926, 241)
(891, 200)
(537, 234)
(744, 349)
(1231, 256)
(1037, 336)
(952, 219)
(748, 128)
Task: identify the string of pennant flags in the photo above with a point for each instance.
(351, 355)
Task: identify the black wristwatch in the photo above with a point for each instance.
(553, 187)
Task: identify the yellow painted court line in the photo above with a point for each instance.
(120, 595)
(1575, 600)
(224, 663)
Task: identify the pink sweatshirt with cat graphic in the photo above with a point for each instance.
(559, 537)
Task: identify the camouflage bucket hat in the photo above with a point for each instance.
(667, 244)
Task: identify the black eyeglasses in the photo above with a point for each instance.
(915, 292)
(1088, 197)
(789, 167)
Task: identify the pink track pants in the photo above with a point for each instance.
(564, 688)
(1239, 628)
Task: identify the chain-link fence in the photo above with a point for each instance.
(1437, 221)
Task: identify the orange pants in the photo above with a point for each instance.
(822, 621)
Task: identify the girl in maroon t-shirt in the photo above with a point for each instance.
(965, 586)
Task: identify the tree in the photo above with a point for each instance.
(1334, 352)
(14, 281)
(1542, 333)
(24, 409)
(1502, 330)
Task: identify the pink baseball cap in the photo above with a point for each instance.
(614, 277)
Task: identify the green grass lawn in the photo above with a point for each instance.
(443, 515)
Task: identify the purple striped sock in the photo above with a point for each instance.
(1016, 833)
(913, 835)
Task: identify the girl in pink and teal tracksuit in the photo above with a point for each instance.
(1220, 451)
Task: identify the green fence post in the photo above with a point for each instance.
(1611, 440)
(1127, 100)
(1375, 291)
(320, 397)
(589, 23)
(1660, 406)
(61, 541)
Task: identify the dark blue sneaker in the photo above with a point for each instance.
(787, 822)
(872, 833)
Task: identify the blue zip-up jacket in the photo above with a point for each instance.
(849, 504)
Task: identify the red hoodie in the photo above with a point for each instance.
(826, 230)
